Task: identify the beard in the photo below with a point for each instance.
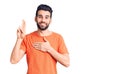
(42, 27)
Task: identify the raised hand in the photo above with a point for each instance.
(21, 30)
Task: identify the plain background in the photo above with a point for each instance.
(91, 30)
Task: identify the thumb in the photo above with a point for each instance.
(45, 39)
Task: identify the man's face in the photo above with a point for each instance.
(43, 19)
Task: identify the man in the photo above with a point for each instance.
(43, 48)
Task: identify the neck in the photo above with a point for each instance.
(44, 33)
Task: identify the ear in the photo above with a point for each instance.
(35, 19)
(50, 20)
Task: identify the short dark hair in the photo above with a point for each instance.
(44, 7)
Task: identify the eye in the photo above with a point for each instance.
(39, 16)
(47, 17)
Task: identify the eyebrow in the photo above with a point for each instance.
(41, 15)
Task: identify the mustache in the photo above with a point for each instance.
(42, 22)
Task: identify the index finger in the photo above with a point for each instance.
(23, 26)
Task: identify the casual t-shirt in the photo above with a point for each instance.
(40, 62)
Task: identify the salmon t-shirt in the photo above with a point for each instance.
(42, 62)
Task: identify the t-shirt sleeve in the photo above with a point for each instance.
(62, 47)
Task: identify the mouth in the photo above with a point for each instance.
(42, 23)
(42, 26)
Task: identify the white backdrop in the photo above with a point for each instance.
(91, 30)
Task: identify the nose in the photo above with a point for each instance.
(43, 19)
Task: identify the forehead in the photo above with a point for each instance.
(43, 12)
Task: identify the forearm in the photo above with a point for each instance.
(61, 58)
(15, 55)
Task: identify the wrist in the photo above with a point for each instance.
(50, 50)
(19, 40)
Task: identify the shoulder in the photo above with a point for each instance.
(34, 33)
(55, 34)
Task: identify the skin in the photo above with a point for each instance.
(17, 54)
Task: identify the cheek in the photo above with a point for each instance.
(38, 20)
(49, 21)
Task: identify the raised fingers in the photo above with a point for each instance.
(23, 27)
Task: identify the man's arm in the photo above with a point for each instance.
(17, 53)
(61, 58)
